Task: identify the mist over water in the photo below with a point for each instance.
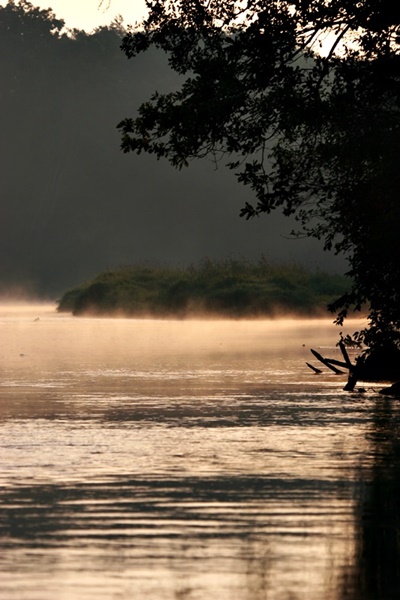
(189, 460)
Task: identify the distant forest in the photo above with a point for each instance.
(72, 204)
(229, 289)
(62, 186)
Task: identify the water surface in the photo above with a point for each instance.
(190, 460)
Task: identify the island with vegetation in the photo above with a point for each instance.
(228, 289)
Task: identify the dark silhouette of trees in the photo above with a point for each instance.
(301, 100)
(57, 92)
(70, 205)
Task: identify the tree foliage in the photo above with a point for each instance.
(301, 99)
(229, 289)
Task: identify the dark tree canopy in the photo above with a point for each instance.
(301, 99)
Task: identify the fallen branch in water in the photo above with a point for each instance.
(329, 362)
(318, 371)
(382, 364)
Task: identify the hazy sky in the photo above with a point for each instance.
(88, 14)
(72, 204)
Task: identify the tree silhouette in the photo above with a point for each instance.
(301, 100)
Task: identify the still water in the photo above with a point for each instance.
(190, 460)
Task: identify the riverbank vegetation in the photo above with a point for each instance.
(301, 101)
(229, 289)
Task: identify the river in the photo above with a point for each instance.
(190, 460)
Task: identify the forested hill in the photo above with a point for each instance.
(229, 289)
(72, 204)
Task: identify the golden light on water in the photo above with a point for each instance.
(189, 459)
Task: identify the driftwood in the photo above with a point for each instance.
(379, 365)
(313, 368)
(328, 362)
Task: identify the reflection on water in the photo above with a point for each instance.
(375, 571)
(190, 460)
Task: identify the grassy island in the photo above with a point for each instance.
(229, 289)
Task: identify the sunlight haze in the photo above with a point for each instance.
(89, 14)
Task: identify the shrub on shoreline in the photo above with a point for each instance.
(228, 289)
